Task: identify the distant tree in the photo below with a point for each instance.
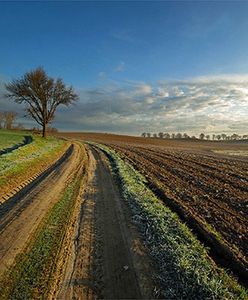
(193, 137)
(41, 94)
(213, 137)
(223, 136)
(218, 136)
(201, 136)
(148, 134)
(160, 135)
(234, 136)
(166, 135)
(9, 118)
(155, 135)
(245, 136)
(179, 135)
(208, 137)
(185, 136)
(173, 135)
(143, 134)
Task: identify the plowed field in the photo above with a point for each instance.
(213, 191)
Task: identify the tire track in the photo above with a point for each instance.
(109, 260)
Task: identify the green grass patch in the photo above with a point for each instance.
(33, 155)
(31, 275)
(10, 138)
(185, 269)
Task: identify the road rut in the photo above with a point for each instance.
(108, 259)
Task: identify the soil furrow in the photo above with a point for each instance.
(195, 199)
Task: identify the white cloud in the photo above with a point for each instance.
(211, 104)
(142, 90)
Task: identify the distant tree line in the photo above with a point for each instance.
(202, 136)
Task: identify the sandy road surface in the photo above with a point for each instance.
(19, 221)
(107, 260)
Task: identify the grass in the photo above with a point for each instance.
(25, 161)
(10, 138)
(185, 269)
(31, 275)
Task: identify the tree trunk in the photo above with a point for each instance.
(44, 130)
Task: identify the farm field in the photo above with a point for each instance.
(208, 190)
(106, 219)
(196, 145)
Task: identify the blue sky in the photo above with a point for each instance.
(131, 54)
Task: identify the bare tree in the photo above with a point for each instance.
(201, 136)
(160, 135)
(143, 134)
(208, 137)
(179, 135)
(2, 118)
(234, 136)
(41, 94)
(223, 136)
(9, 118)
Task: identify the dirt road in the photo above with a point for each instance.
(107, 259)
(19, 219)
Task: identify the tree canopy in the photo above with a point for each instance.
(41, 94)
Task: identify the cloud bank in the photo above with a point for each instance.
(210, 104)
